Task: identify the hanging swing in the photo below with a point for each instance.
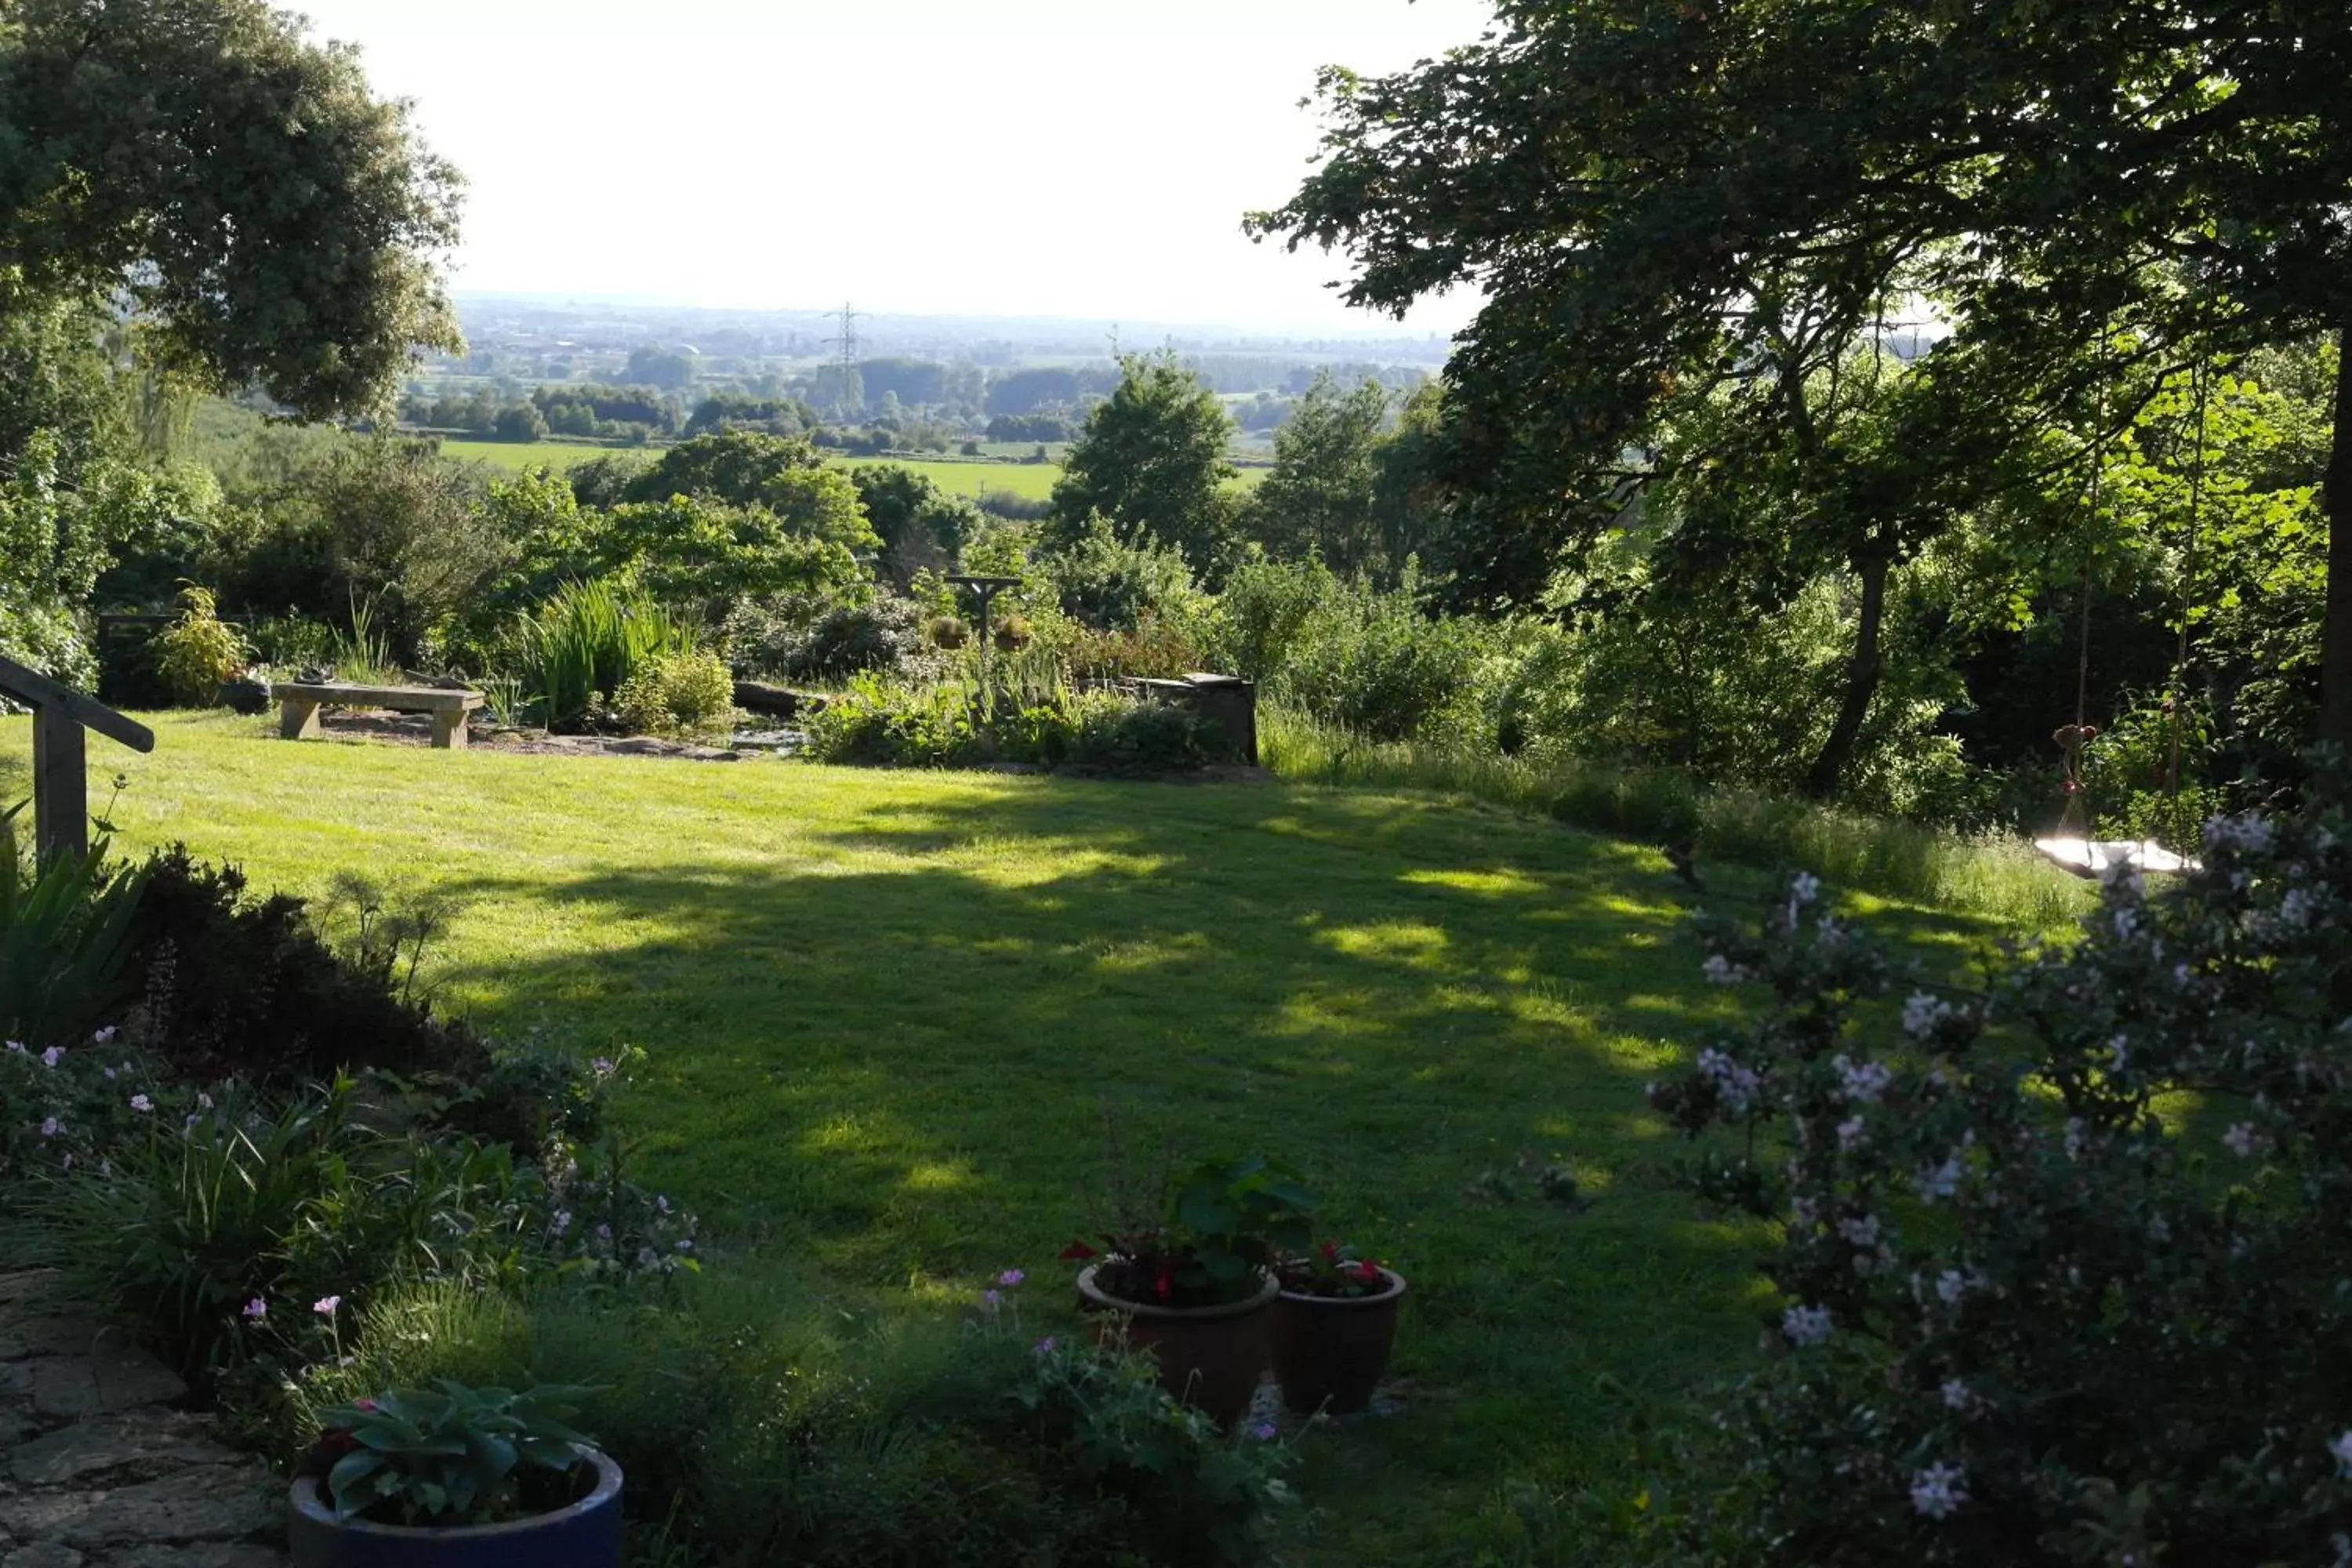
(2072, 843)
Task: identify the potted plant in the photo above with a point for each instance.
(1334, 1325)
(1193, 1283)
(455, 1476)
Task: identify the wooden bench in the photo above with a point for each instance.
(298, 703)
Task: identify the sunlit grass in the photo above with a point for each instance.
(885, 1011)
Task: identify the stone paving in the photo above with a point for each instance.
(98, 1469)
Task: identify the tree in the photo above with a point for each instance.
(1319, 499)
(785, 477)
(920, 524)
(520, 422)
(238, 184)
(654, 366)
(2086, 192)
(1151, 460)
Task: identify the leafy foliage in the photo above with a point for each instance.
(299, 251)
(2037, 1309)
(685, 694)
(1150, 461)
(449, 1454)
(1219, 1232)
(65, 932)
(196, 652)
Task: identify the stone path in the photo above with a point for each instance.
(98, 1469)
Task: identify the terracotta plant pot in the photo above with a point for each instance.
(1330, 1351)
(1210, 1357)
(585, 1534)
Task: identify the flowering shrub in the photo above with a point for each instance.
(2074, 1290)
(1216, 1236)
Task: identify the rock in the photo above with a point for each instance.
(215, 1554)
(208, 1504)
(49, 1556)
(116, 1377)
(776, 701)
(21, 1337)
(152, 1448)
(26, 1284)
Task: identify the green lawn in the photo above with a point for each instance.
(885, 1011)
(516, 456)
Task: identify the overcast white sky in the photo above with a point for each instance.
(1084, 158)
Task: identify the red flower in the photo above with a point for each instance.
(1367, 1269)
(1331, 1251)
(1165, 1284)
(1077, 1252)
(362, 1404)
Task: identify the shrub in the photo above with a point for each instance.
(1104, 582)
(228, 985)
(875, 723)
(884, 635)
(195, 653)
(585, 643)
(1144, 737)
(688, 695)
(2075, 1297)
(1153, 650)
(946, 631)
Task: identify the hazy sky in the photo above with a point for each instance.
(1036, 157)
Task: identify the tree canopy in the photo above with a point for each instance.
(1151, 460)
(1659, 199)
(238, 184)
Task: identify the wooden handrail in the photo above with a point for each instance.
(60, 773)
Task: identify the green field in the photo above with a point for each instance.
(885, 1012)
(967, 477)
(516, 456)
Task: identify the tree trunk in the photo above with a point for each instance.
(2336, 628)
(1862, 673)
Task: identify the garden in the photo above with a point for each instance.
(1499, 995)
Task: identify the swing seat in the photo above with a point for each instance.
(2092, 857)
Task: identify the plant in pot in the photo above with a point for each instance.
(1193, 1283)
(453, 1477)
(1334, 1325)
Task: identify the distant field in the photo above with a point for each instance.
(1030, 482)
(516, 456)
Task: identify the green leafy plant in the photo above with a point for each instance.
(585, 642)
(196, 652)
(65, 930)
(683, 694)
(451, 1455)
(1220, 1229)
(1331, 1270)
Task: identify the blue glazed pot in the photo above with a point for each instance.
(587, 1534)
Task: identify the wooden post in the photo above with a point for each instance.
(60, 781)
(61, 786)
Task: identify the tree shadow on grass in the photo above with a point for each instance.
(899, 1062)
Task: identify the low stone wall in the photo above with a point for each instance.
(1226, 701)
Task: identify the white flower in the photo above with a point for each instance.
(2247, 832)
(1950, 1286)
(1862, 1231)
(1806, 1325)
(1805, 888)
(2341, 1450)
(561, 1222)
(2242, 1141)
(2119, 1048)
(50, 1127)
(104, 1036)
(1923, 1012)
(1936, 1491)
(17, 1047)
(1956, 1395)
(2297, 908)
(2126, 922)
(1941, 1181)
(1734, 1081)
(1864, 1082)
(1721, 971)
(2159, 1229)
(1852, 1134)
(2077, 1139)
(51, 1057)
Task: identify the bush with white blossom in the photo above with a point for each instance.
(2065, 1270)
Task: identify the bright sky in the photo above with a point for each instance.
(1086, 158)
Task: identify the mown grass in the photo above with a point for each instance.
(2003, 879)
(885, 1013)
(516, 456)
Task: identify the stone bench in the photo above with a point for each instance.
(298, 703)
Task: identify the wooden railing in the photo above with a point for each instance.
(60, 770)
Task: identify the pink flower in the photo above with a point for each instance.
(1011, 1277)
(140, 1102)
(255, 1310)
(1045, 1345)
(325, 1305)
